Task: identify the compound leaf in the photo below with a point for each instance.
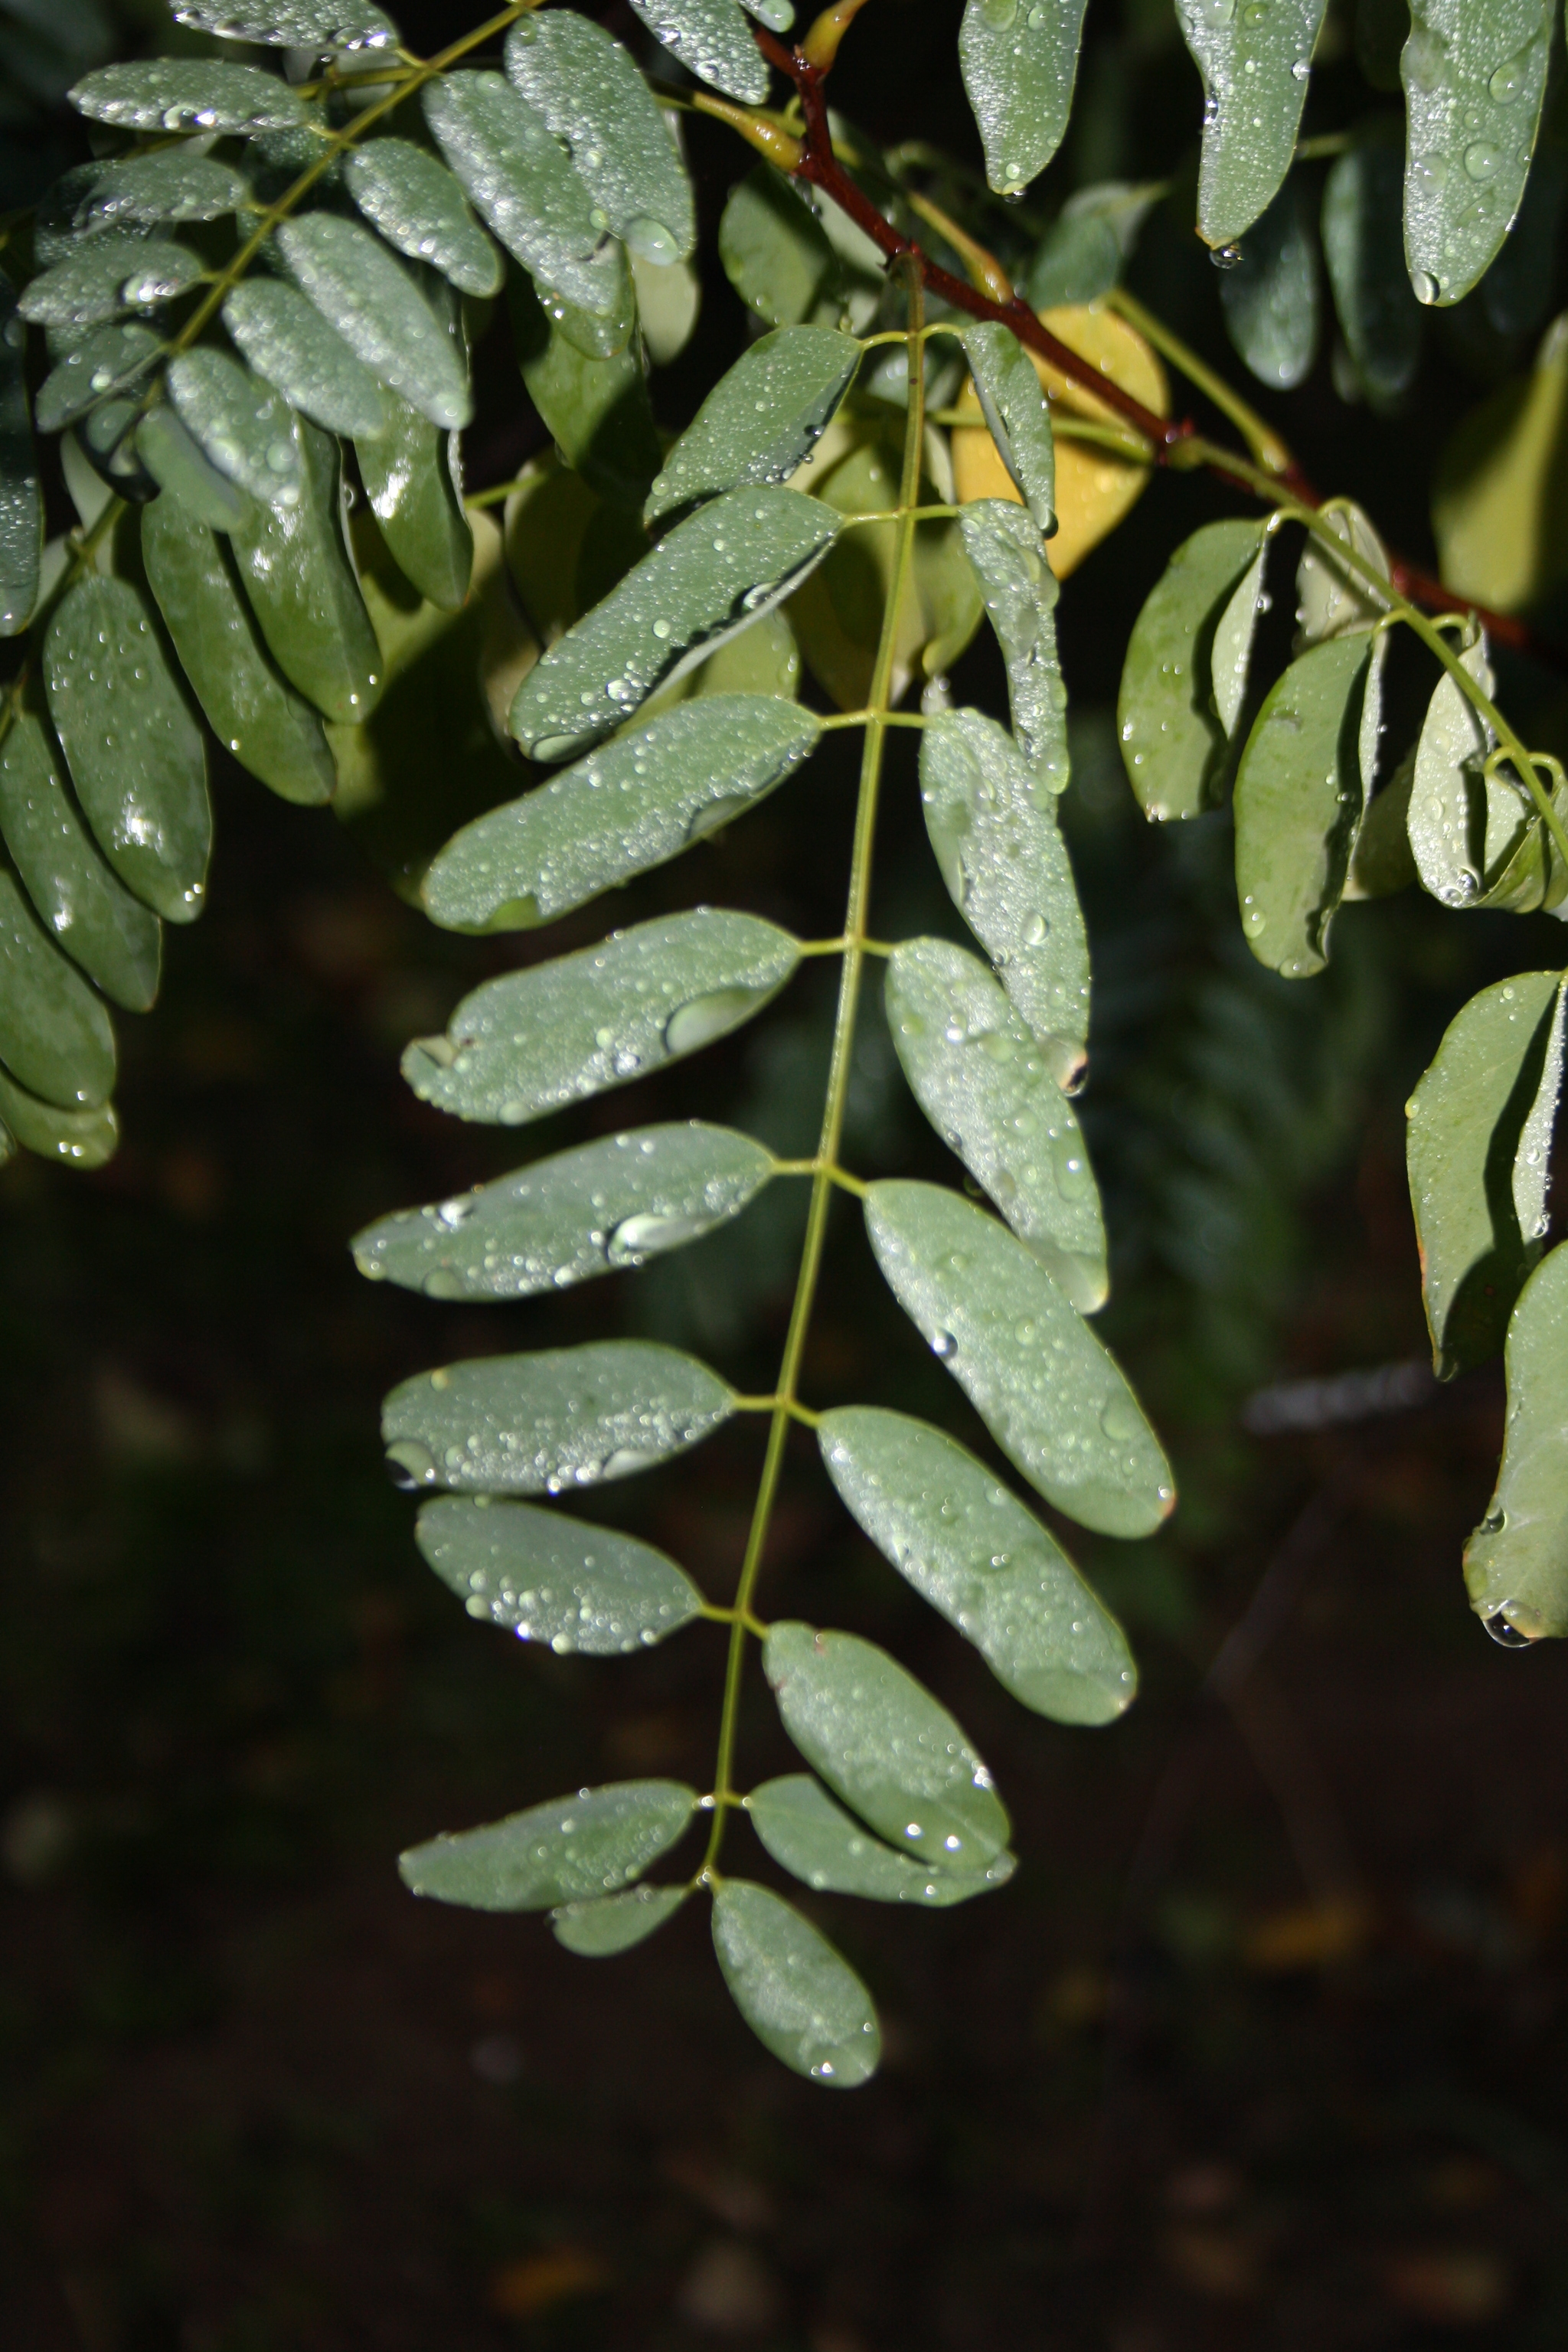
(82, 1138)
(1053, 1397)
(972, 1549)
(830, 1852)
(288, 343)
(293, 24)
(21, 494)
(1514, 1562)
(186, 94)
(1255, 63)
(984, 1083)
(762, 419)
(1173, 742)
(713, 41)
(548, 1578)
(1474, 77)
(1020, 591)
(533, 1040)
(135, 751)
(420, 206)
(520, 181)
(1270, 299)
(1298, 801)
(631, 805)
(1019, 64)
(1012, 402)
(241, 424)
(407, 475)
(113, 936)
(705, 581)
(611, 1204)
(565, 1417)
(373, 305)
(592, 95)
(55, 1036)
(615, 1923)
(1477, 1149)
(1363, 246)
(302, 587)
(568, 1850)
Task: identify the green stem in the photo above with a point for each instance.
(824, 1182)
(1268, 451)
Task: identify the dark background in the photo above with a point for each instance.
(1263, 2046)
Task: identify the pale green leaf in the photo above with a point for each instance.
(21, 493)
(1363, 246)
(1054, 1398)
(1020, 591)
(106, 361)
(592, 95)
(1516, 1562)
(631, 805)
(292, 24)
(549, 1578)
(536, 1039)
(1019, 64)
(1230, 651)
(420, 206)
(1270, 299)
(971, 1549)
(187, 94)
(885, 1745)
(1475, 75)
(1298, 801)
(135, 751)
(1174, 744)
(55, 1037)
(566, 1851)
(175, 459)
(615, 1923)
(562, 1418)
(268, 728)
(1003, 858)
(713, 41)
(241, 424)
(982, 1081)
(800, 1997)
(1477, 1149)
(169, 185)
(368, 297)
(81, 1138)
(1333, 597)
(762, 419)
(520, 181)
(1012, 402)
(597, 410)
(113, 936)
(613, 1202)
(829, 1851)
(669, 301)
(1255, 63)
(712, 576)
(302, 588)
(408, 475)
(1465, 826)
(289, 342)
(1499, 496)
(777, 253)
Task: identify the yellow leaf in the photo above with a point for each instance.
(1500, 503)
(1095, 490)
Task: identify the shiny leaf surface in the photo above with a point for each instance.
(566, 1851)
(302, 588)
(1020, 591)
(241, 424)
(1019, 65)
(712, 40)
(1333, 597)
(615, 1923)
(1464, 826)
(108, 360)
(79, 1138)
(55, 1036)
(187, 94)
(1013, 403)
(419, 207)
(829, 1850)
(1475, 74)
(407, 475)
(106, 277)
(592, 95)
(1174, 744)
(597, 410)
(373, 303)
(292, 24)
(1255, 63)
(113, 936)
(777, 253)
(21, 493)
(762, 419)
(1514, 1562)
(173, 458)
(1270, 299)
(520, 181)
(167, 186)
(549, 1578)
(290, 344)
(1298, 800)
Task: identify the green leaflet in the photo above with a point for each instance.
(1518, 290)
(564, 1417)
(1464, 827)
(1500, 497)
(1382, 861)
(302, 588)
(597, 334)
(113, 936)
(270, 729)
(881, 1739)
(1270, 298)
(518, 179)
(710, 576)
(1005, 865)
(613, 1202)
(1080, 259)
(21, 494)
(55, 1036)
(972, 1549)
(1012, 402)
(374, 304)
(801, 1999)
(562, 1852)
(1230, 649)
(1051, 1395)
(170, 185)
(174, 458)
(615, 1923)
(419, 207)
(407, 475)
(1478, 1147)
(828, 1850)
(1331, 598)
(1298, 800)
(536, 1039)
(107, 276)
(188, 94)
(592, 95)
(1474, 75)
(1363, 246)
(1020, 591)
(597, 410)
(241, 424)
(1255, 63)
(669, 301)
(289, 343)
(1019, 64)
(763, 418)
(713, 41)
(103, 362)
(1514, 1562)
(135, 751)
(982, 1082)
(548, 1578)
(777, 253)
(1173, 745)
(82, 1138)
(295, 23)
(629, 806)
